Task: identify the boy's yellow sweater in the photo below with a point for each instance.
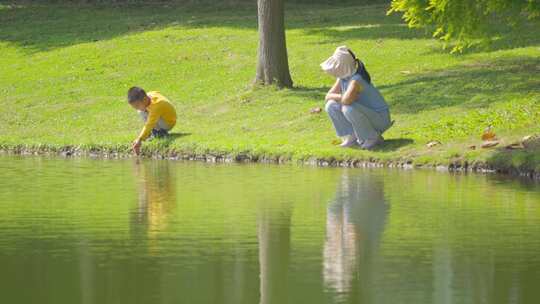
(160, 107)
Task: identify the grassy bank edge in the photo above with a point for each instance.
(514, 163)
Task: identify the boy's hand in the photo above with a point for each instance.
(136, 147)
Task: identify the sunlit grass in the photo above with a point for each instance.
(65, 71)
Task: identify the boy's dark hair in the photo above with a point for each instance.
(361, 68)
(136, 94)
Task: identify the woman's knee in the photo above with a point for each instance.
(332, 105)
(347, 110)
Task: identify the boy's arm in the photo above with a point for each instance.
(151, 122)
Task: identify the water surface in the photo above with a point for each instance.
(127, 231)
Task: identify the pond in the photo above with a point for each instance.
(129, 231)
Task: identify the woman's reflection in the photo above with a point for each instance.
(354, 226)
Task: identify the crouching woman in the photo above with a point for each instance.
(357, 109)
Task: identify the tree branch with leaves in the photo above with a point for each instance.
(465, 21)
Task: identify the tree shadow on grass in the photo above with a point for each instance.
(371, 22)
(45, 27)
(472, 85)
(310, 93)
(504, 37)
(37, 27)
(377, 32)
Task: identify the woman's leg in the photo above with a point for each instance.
(367, 124)
(341, 124)
(383, 121)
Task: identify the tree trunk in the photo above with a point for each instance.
(273, 65)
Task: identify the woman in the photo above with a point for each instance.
(357, 109)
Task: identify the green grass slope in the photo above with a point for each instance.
(64, 72)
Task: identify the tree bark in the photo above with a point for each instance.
(273, 65)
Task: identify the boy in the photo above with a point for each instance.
(156, 111)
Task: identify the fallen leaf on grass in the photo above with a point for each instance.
(488, 134)
(406, 72)
(472, 147)
(490, 143)
(433, 143)
(316, 110)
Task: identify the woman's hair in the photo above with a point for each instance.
(361, 68)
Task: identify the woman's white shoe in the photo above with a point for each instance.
(348, 141)
(369, 144)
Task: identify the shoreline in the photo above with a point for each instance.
(456, 166)
(442, 104)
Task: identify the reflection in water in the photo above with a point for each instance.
(86, 273)
(274, 235)
(354, 225)
(89, 231)
(156, 200)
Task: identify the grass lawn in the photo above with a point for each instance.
(65, 70)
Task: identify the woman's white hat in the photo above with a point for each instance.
(341, 64)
